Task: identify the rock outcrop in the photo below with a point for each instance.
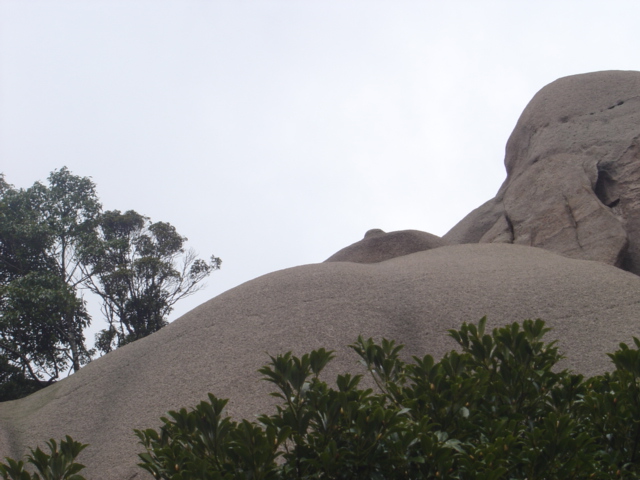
(572, 188)
(377, 246)
(573, 174)
(413, 299)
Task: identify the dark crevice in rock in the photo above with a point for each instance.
(627, 262)
(512, 233)
(605, 189)
(611, 107)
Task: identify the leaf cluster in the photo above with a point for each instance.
(499, 408)
(205, 444)
(58, 464)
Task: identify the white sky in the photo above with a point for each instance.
(274, 133)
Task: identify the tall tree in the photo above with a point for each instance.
(71, 209)
(140, 270)
(55, 243)
(42, 313)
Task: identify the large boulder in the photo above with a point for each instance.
(572, 188)
(377, 246)
(414, 299)
(573, 174)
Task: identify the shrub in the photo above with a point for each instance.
(497, 409)
(59, 464)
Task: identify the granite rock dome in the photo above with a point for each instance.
(413, 299)
(377, 246)
(579, 155)
(573, 174)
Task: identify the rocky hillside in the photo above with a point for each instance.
(560, 241)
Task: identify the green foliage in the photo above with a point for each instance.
(14, 383)
(42, 314)
(134, 269)
(499, 408)
(612, 409)
(203, 444)
(59, 464)
(55, 243)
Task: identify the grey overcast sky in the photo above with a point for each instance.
(274, 133)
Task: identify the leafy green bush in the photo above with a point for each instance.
(56, 465)
(498, 409)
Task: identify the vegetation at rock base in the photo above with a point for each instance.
(58, 464)
(497, 409)
(56, 243)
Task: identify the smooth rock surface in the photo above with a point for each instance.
(377, 246)
(413, 299)
(572, 187)
(573, 174)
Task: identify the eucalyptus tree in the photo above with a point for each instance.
(139, 269)
(55, 244)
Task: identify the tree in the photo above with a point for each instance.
(140, 270)
(70, 208)
(55, 244)
(42, 312)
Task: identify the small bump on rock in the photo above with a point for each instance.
(374, 232)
